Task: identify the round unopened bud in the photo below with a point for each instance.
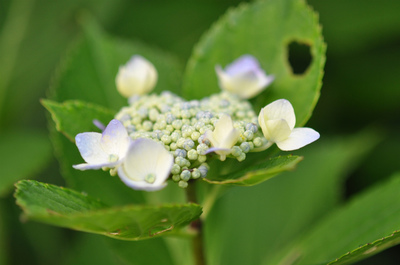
(176, 178)
(258, 142)
(196, 173)
(245, 146)
(236, 151)
(180, 152)
(183, 184)
(137, 77)
(185, 175)
(192, 154)
(188, 144)
(176, 169)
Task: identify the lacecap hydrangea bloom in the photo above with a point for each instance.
(166, 137)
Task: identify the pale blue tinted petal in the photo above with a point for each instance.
(115, 139)
(90, 148)
(245, 63)
(86, 166)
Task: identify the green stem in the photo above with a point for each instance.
(211, 199)
(197, 227)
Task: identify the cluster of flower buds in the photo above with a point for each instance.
(158, 136)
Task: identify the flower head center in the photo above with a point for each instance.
(150, 178)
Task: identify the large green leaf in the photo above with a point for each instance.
(3, 242)
(68, 208)
(88, 72)
(22, 155)
(263, 29)
(282, 208)
(370, 220)
(72, 117)
(257, 174)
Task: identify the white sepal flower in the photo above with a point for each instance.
(223, 138)
(244, 77)
(107, 149)
(277, 121)
(147, 165)
(137, 77)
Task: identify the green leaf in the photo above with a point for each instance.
(68, 208)
(84, 75)
(282, 208)
(88, 72)
(263, 29)
(259, 173)
(73, 116)
(369, 220)
(3, 242)
(22, 155)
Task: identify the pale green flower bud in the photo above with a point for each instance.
(137, 77)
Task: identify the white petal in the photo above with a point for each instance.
(277, 130)
(230, 139)
(224, 135)
(244, 77)
(115, 139)
(137, 77)
(245, 63)
(280, 109)
(90, 148)
(222, 128)
(145, 157)
(210, 136)
(298, 138)
(86, 166)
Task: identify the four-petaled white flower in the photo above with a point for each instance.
(277, 121)
(137, 77)
(107, 149)
(223, 138)
(244, 77)
(147, 165)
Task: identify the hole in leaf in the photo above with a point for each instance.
(299, 57)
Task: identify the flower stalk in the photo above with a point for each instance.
(197, 227)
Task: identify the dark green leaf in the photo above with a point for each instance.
(73, 116)
(259, 173)
(370, 220)
(89, 71)
(68, 208)
(22, 155)
(282, 208)
(263, 29)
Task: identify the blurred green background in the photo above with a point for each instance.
(361, 89)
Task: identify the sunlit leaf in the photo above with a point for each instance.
(263, 29)
(259, 173)
(68, 208)
(73, 116)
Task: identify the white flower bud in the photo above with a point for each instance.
(137, 77)
(244, 77)
(277, 121)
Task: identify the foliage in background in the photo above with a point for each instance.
(360, 89)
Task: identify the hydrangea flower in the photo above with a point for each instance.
(137, 77)
(244, 77)
(223, 138)
(147, 165)
(277, 121)
(105, 149)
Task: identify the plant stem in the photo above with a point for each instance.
(196, 226)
